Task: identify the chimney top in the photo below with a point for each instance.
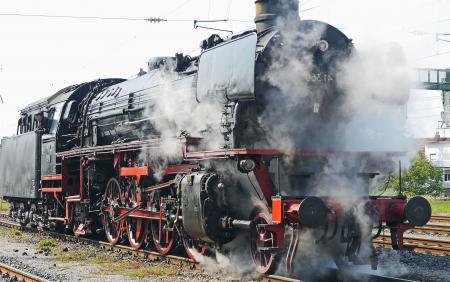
(269, 12)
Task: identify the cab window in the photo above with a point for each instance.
(54, 115)
(69, 111)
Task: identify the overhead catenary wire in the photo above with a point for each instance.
(439, 37)
(434, 55)
(72, 17)
(310, 8)
(177, 8)
(150, 19)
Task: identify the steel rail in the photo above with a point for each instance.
(440, 218)
(360, 277)
(418, 245)
(18, 274)
(276, 278)
(150, 255)
(433, 229)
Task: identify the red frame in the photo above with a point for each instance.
(284, 211)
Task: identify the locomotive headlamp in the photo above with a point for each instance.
(312, 212)
(322, 45)
(418, 211)
(247, 165)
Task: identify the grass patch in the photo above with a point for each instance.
(88, 257)
(75, 256)
(118, 267)
(440, 205)
(16, 232)
(109, 264)
(159, 270)
(102, 259)
(4, 205)
(46, 243)
(134, 269)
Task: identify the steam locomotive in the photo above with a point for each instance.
(200, 150)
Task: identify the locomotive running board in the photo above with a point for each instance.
(185, 142)
(109, 149)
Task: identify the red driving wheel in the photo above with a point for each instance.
(163, 236)
(112, 199)
(193, 248)
(137, 228)
(263, 245)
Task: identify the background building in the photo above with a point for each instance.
(437, 151)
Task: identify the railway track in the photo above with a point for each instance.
(361, 277)
(171, 259)
(439, 224)
(418, 245)
(440, 219)
(152, 256)
(433, 229)
(18, 275)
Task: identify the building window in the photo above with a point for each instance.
(446, 175)
(433, 157)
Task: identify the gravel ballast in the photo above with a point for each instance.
(415, 266)
(78, 262)
(57, 260)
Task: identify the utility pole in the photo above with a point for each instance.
(437, 79)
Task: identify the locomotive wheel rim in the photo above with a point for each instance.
(193, 247)
(137, 232)
(264, 261)
(75, 228)
(113, 230)
(137, 229)
(168, 238)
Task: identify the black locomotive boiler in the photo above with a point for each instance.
(201, 149)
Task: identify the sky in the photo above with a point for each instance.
(39, 56)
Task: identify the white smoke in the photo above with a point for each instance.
(177, 111)
(174, 112)
(377, 82)
(290, 72)
(374, 84)
(377, 73)
(231, 266)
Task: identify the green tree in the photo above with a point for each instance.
(422, 178)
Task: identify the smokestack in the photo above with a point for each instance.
(268, 12)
